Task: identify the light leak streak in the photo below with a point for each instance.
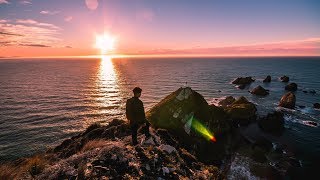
(202, 130)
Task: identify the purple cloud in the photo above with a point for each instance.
(46, 12)
(4, 2)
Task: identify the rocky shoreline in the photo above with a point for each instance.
(191, 139)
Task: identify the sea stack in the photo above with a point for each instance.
(284, 79)
(260, 91)
(288, 100)
(267, 79)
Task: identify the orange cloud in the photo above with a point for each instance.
(29, 33)
(36, 23)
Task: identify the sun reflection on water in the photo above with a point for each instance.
(107, 97)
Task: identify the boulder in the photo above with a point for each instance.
(260, 91)
(227, 101)
(288, 100)
(243, 80)
(316, 105)
(267, 79)
(187, 116)
(284, 79)
(242, 111)
(291, 87)
(181, 109)
(273, 123)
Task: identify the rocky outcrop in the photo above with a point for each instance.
(272, 123)
(267, 79)
(187, 115)
(284, 79)
(288, 100)
(116, 128)
(243, 80)
(227, 101)
(291, 87)
(260, 91)
(242, 111)
(316, 105)
(179, 110)
(117, 159)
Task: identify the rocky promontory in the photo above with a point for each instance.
(190, 139)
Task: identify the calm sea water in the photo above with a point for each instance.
(43, 101)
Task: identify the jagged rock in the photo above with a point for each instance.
(242, 111)
(227, 101)
(284, 79)
(316, 105)
(166, 137)
(243, 80)
(267, 79)
(167, 148)
(291, 87)
(177, 112)
(187, 115)
(116, 128)
(273, 123)
(260, 91)
(288, 100)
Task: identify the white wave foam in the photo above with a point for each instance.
(240, 169)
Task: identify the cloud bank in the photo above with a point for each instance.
(306, 47)
(29, 33)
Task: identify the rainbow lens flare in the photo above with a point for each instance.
(201, 129)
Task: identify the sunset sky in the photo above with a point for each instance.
(152, 27)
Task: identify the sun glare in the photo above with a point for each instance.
(105, 42)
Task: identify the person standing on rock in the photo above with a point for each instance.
(136, 115)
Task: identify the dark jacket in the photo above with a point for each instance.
(135, 111)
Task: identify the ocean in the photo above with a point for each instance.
(44, 101)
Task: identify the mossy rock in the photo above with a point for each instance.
(181, 110)
(177, 108)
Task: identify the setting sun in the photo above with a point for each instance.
(105, 43)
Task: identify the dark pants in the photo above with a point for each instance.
(134, 131)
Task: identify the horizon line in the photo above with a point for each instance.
(155, 56)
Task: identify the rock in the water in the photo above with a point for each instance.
(288, 100)
(312, 91)
(260, 91)
(242, 111)
(241, 86)
(243, 80)
(291, 87)
(227, 101)
(316, 105)
(284, 79)
(273, 123)
(267, 79)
